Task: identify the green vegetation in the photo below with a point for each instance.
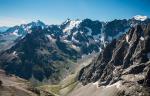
(63, 88)
(53, 89)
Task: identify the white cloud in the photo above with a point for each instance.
(7, 21)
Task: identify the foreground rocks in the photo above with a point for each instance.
(11, 85)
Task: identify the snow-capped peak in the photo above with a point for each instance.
(140, 17)
(71, 24)
(37, 23)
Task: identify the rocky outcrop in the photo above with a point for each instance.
(11, 85)
(126, 59)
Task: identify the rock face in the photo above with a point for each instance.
(46, 52)
(40, 56)
(83, 35)
(126, 59)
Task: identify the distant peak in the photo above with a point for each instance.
(38, 21)
(70, 20)
(140, 17)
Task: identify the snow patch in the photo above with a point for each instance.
(140, 18)
(142, 38)
(96, 84)
(16, 33)
(102, 39)
(81, 32)
(67, 41)
(127, 38)
(42, 27)
(87, 44)
(117, 85)
(75, 47)
(50, 38)
(29, 27)
(74, 40)
(14, 53)
(29, 31)
(100, 49)
(75, 33)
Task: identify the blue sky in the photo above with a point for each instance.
(14, 12)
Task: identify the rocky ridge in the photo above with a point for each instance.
(40, 51)
(123, 63)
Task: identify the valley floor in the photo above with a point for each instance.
(93, 90)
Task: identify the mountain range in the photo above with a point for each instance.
(49, 53)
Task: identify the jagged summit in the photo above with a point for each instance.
(140, 17)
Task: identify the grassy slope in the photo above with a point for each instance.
(63, 88)
(70, 82)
